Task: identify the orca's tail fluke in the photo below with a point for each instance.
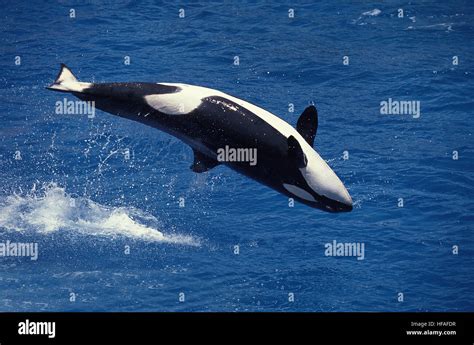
(67, 82)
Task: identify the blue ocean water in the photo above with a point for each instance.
(110, 231)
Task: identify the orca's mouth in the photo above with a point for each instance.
(340, 207)
(330, 205)
(325, 204)
(313, 199)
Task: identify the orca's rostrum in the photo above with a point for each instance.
(209, 120)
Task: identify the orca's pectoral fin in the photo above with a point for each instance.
(307, 124)
(203, 163)
(295, 152)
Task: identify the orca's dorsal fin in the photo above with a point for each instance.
(307, 124)
(295, 152)
(203, 163)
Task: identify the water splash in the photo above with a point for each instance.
(51, 209)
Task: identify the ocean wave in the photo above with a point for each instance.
(51, 209)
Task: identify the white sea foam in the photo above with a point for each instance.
(373, 13)
(441, 26)
(52, 209)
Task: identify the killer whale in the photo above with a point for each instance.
(208, 120)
